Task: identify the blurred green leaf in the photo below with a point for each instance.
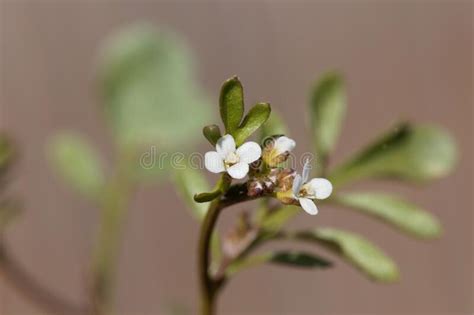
(6, 152)
(274, 221)
(273, 126)
(405, 152)
(212, 133)
(189, 182)
(150, 93)
(358, 251)
(401, 214)
(9, 210)
(328, 106)
(77, 163)
(254, 119)
(175, 308)
(286, 258)
(231, 104)
(299, 259)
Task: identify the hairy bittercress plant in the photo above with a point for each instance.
(147, 86)
(251, 171)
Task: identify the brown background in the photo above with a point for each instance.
(402, 59)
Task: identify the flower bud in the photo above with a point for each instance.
(277, 150)
(212, 133)
(286, 197)
(285, 179)
(285, 184)
(254, 188)
(277, 180)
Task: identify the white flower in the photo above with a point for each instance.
(233, 161)
(304, 191)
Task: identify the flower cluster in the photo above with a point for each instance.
(266, 174)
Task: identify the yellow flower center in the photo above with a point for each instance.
(231, 159)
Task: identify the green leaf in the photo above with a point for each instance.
(6, 152)
(285, 258)
(212, 133)
(299, 259)
(9, 210)
(221, 186)
(207, 196)
(409, 153)
(403, 215)
(231, 103)
(273, 222)
(273, 126)
(189, 182)
(328, 106)
(254, 119)
(77, 163)
(150, 92)
(356, 250)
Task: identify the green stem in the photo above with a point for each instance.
(114, 208)
(209, 287)
(206, 282)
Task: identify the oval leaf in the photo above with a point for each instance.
(77, 163)
(150, 92)
(401, 214)
(358, 251)
(405, 152)
(328, 106)
(254, 119)
(231, 104)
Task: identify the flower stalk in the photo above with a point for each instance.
(210, 285)
(206, 282)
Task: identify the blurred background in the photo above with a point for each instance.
(401, 60)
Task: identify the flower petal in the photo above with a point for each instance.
(239, 170)
(284, 144)
(306, 170)
(225, 145)
(249, 152)
(308, 206)
(213, 162)
(297, 182)
(321, 188)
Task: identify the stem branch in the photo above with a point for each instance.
(37, 294)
